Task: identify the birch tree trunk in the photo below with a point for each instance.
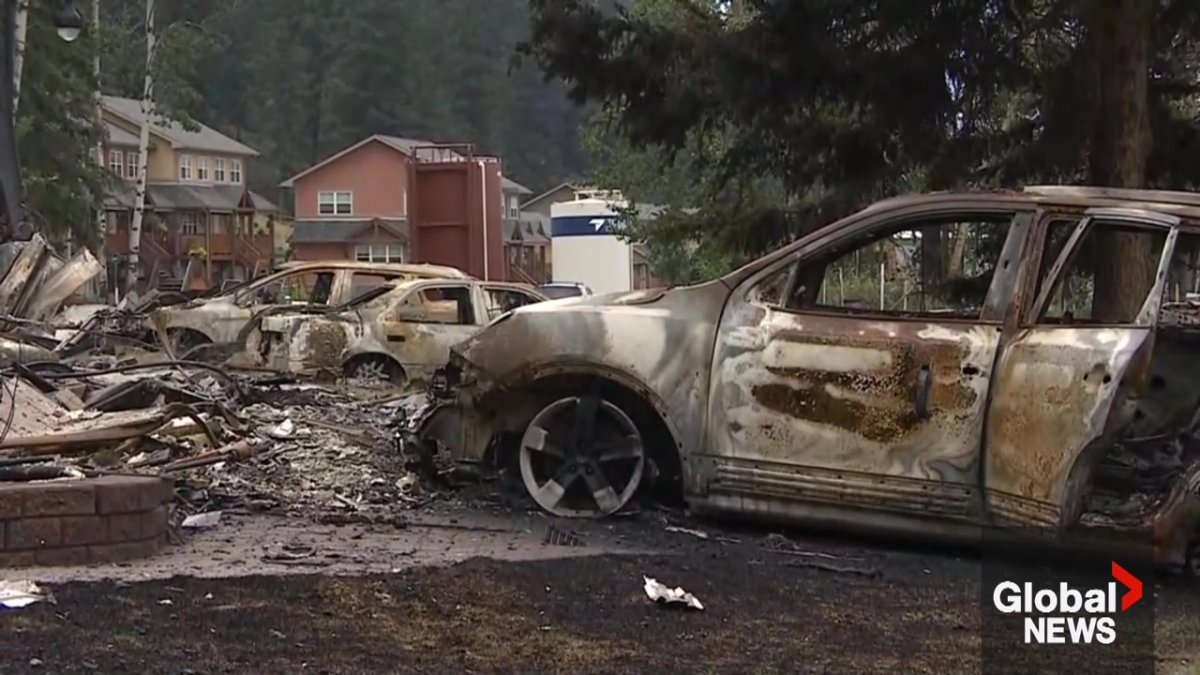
(139, 210)
(22, 27)
(108, 285)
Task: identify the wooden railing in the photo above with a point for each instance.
(527, 274)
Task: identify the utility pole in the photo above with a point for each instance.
(139, 211)
(69, 24)
(10, 166)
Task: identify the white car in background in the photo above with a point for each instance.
(556, 290)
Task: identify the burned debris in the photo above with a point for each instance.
(90, 392)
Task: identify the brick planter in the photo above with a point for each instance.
(81, 522)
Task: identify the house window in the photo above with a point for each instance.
(185, 167)
(131, 165)
(202, 168)
(219, 169)
(115, 158)
(235, 171)
(937, 268)
(380, 253)
(334, 203)
(222, 223)
(513, 209)
(188, 224)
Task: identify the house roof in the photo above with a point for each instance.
(119, 196)
(320, 231)
(510, 185)
(527, 230)
(261, 203)
(119, 136)
(407, 146)
(547, 193)
(182, 196)
(202, 138)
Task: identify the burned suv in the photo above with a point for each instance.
(930, 365)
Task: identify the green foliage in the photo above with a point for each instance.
(818, 108)
(57, 132)
(296, 79)
(302, 79)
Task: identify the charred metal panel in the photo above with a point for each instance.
(829, 408)
(63, 283)
(1055, 388)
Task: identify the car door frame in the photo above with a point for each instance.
(1037, 463)
(507, 287)
(419, 339)
(748, 483)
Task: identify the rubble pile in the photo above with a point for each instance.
(330, 453)
(94, 390)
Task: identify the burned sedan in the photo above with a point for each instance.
(927, 366)
(401, 331)
(220, 319)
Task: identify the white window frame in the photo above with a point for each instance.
(116, 162)
(131, 164)
(379, 253)
(202, 169)
(219, 170)
(514, 209)
(235, 171)
(189, 224)
(185, 167)
(333, 199)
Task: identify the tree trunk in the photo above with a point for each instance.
(22, 28)
(108, 285)
(958, 251)
(1125, 263)
(139, 210)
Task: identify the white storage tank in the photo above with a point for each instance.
(584, 243)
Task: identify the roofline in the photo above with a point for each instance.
(519, 189)
(135, 124)
(533, 200)
(291, 182)
(176, 143)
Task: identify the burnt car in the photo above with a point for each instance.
(220, 319)
(929, 365)
(400, 331)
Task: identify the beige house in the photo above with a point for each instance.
(201, 221)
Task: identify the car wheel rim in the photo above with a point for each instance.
(582, 457)
(370, 370)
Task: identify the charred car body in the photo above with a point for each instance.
(219, 320)
(401, 331)
(928, 366)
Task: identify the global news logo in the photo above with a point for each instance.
(1067, 615)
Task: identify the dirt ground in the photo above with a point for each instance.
(772, 604)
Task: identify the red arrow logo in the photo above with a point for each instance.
(1131, 582)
